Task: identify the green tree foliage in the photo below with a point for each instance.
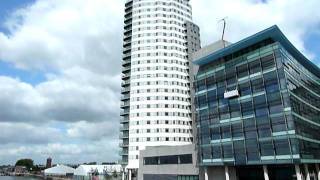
(28, 163)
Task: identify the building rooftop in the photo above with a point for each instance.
(207, 50)
(275, 34)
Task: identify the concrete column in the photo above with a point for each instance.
(317, 171)
(298, 172)
(265, 172)
(129, 174)
(226, 171)
(307, 171)
(206, 174)
(123, 174)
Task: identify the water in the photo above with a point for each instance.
(18, 178)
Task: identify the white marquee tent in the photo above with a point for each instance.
(59, 170)
(86, 170)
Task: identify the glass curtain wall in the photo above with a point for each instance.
(258, 126)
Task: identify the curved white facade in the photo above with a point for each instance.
(160, 104)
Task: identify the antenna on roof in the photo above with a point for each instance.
(224, 28)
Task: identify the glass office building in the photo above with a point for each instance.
(258, 110)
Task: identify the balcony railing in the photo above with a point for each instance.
(125, 90)
(124, 119)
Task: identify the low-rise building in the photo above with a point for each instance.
(84, 172)
(168, 163)
(59, 170)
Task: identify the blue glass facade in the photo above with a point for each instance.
(273, 113)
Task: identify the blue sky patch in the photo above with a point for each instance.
(312, 44)
(7, 7)
(31, 77)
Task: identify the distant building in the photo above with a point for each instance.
(20, 169)
(59, 170)
(85, 172)
(258, 109)
(49, 163)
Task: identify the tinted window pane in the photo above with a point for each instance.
(215, 133)
(257, 85)
(216, 152)
(234, 109)
(275, 104)
(237, 130)
(282, 146)
(242, 71)
(267, 62)
(168, 159)
(211, 81)
(245, 89)
(247, 108)
(239, 152)
(263, 125)
(185, 159)
(278, 124)
(201, 85)
(252, 149)
(226, 132)
(151, 160)
(206, 152)
(254, 67)
(250, 128)
(227, 151)
(267, 148)
(271, 82)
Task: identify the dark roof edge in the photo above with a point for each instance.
(272, 32)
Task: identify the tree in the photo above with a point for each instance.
(28, 163)
(92, 163)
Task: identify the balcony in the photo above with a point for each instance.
(125, 77)
(124, 127)
(124, 113)
(126, 44)
(127, 26)
(124, 144)
(127, 38)
(127, 35)
(125, 55)
(126, 69)
(124, 119)
(126, 62)
(123, 152)
(128, 16)
(125, 104)
(125, 83)
(124, 135)
(125, 49)
(125, 97)
(128, 29)
(125, 90)
(128, 4)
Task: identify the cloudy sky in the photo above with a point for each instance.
(60, 64)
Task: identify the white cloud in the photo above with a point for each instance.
(16, 133)
(57, 35)
(295, 18)
(70, 97)
(92, 131)
(77, 45)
